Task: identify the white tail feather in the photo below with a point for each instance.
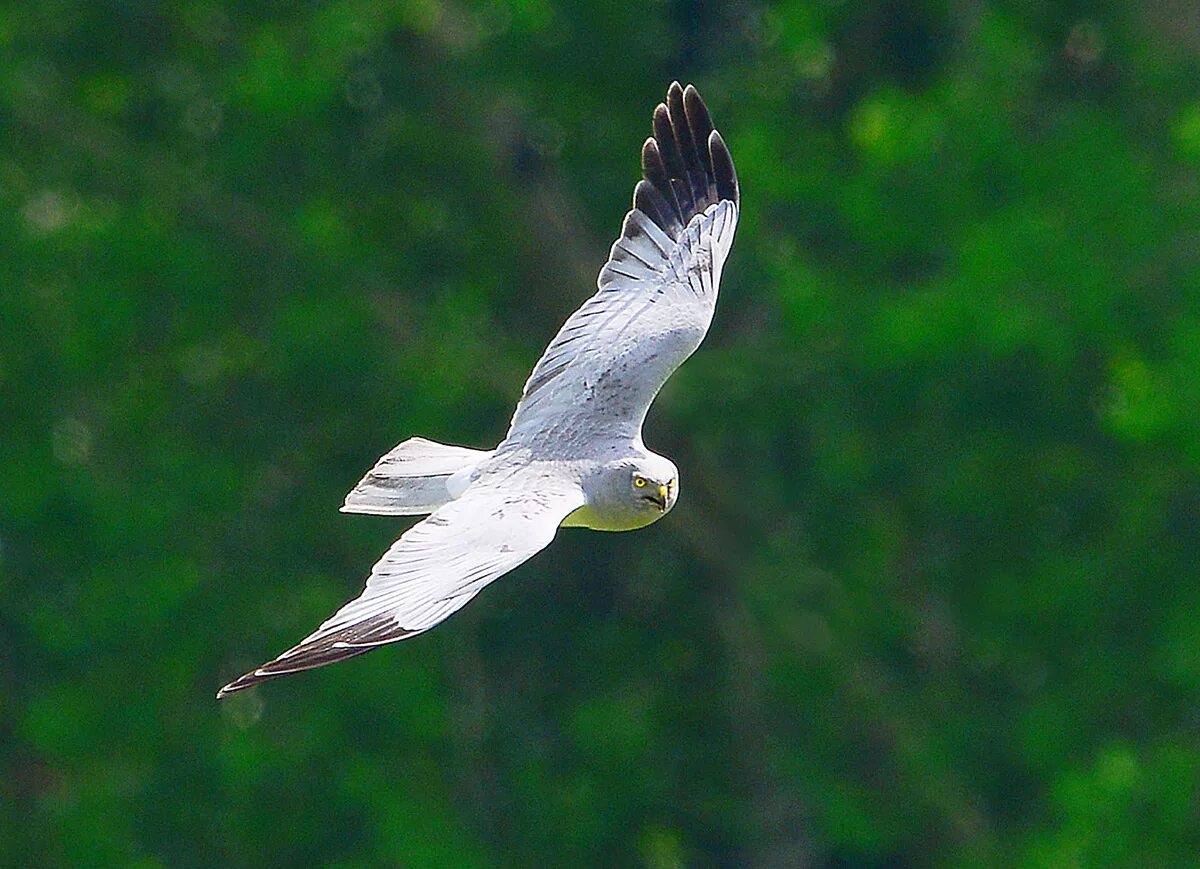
(411, 479)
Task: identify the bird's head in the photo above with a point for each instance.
(654, 484)
(628, 493)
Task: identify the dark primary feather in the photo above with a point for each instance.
(685, 165)
(353, 640)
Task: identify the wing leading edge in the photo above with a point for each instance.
(656, 294)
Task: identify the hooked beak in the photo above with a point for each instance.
(661, 498)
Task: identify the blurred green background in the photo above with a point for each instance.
(930, 595)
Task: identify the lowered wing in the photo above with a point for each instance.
(435, 568)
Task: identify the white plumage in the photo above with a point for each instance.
(573, 453)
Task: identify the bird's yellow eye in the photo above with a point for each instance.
(640, 482)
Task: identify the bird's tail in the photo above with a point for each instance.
(412, 479)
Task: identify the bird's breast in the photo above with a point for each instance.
(599, 519)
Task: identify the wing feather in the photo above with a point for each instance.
(655, 300)
(434, 569)
(656, 293)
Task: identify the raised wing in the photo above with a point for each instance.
(656, 292)
(435, 568)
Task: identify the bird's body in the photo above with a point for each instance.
(573, 455)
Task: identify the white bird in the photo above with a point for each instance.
(573, 455)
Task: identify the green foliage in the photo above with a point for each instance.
(929, 597)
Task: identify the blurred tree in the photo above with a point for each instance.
(929, 596)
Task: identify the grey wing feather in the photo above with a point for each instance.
(435, 568)
(657, 292)
(414, 477)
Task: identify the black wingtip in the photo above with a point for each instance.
(320, 650)
(680, 128)
(654, 169)
(698, 119)
(686, 164)
(254, 677)
(287, 666)
(723, 171)
(241, 683)
(664, 137)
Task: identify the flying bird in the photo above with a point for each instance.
(573, 455)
